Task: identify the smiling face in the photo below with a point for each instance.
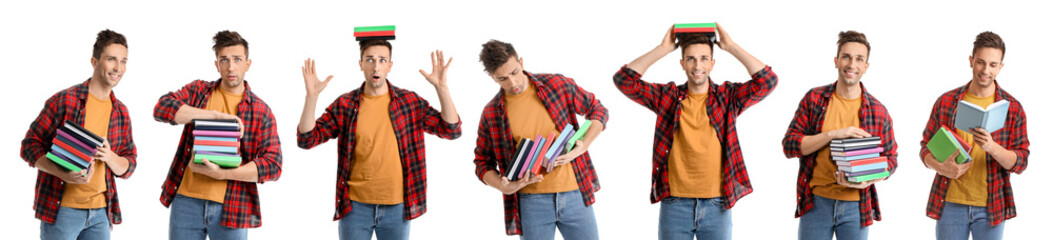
(110, 65)
(986, 64)
(375, 64)
(851, 62)
(232, 62)
(511, 77)
(697, 61)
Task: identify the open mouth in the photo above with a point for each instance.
(114, 76)
(376, 78)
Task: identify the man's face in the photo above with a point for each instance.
(697, 60)
(232, 63)
(851, 62)
(375, 65)
(111, 64)
(986, 64)
(510, 76)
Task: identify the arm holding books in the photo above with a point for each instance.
(581, 146)
(117, 164)
(80, 177)
(949, 167)
(812, 143)
(244, 173)
(508, 187)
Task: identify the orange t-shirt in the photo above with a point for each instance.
(840, 113)
(695, 169)
(201, 186)
(376, 173)
(527, 118)
(91, 195)
(971, 187)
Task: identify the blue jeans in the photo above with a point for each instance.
(541, 214)
(72, 223)
(193, 218)
(959, 220)
(388, 221)
(829, 216)
(687, 218)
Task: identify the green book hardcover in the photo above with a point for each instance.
(222, 161)
(868, 177)
(63, 163)
(694, 25)
(943, 144)
(375, 28)
(577, 135)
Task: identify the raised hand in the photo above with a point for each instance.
(668, 42)
(310, 79)
(437, 77)
(725, 40)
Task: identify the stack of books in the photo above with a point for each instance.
(708, 29)
(532, 155)
(945, 143)
(217, 141)
(859, 158)
(386, 32)
(73, 147)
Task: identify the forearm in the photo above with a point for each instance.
(812, 143)
(186, 113)
(45, 165)
(118, 166)
(244, 173)
(1004, 157)
(753, 65)
(641, 63)
(307, 116)
(593, 132)
(930, 161)
(449, 111)
(492, 179)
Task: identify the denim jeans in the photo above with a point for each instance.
(72, 223)
(958, 220)
(541, 214)
(388, 221)
(687, 218)
(193, 218)
(829, 217)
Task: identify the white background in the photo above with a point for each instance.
(920, 50)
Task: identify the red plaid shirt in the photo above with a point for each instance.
(494, 147)
(411, 117)
(808, 120)
(65, 105)
(260, 145)
(723, 106)
(1013, 136)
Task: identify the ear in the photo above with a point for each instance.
(521, 64)
(217, 65)
(361, 65)
(94, 61)
(248, 63)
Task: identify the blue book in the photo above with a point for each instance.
(215, 149)
(567, 131)
(857, 157)
(69, 156)
(68, 160)
(860, 168)
(971, 116)
(225, 139)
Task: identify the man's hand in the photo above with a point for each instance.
(950, 168)
(843, 181)
(579, 149)
(984, 141)
(208, 169)
(668, 44)
(511, 187)
(241, 126)
(104, 153)
(848, 132)
(437, 77)
(310, 79)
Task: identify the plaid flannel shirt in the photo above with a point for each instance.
(1013, 136)
(494, 147)
(723, 106)
(68, 104)
(808, 120)
(259, 144)
(411, 116)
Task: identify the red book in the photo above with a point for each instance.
(694, 30)
(375, 34)
(961, 141)
(72, 150)
(541, 156)
(216, 143)
(863, 161)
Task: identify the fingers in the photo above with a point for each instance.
(423, 73)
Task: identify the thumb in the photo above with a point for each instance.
(423, 73)
(327, 79)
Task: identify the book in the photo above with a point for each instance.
(375, 28)
(207, 133)
(82, 134)
(856, 152)
(524, 146)
(859, 168)
(216, 128)
(198, 141)
(584, 128)
(64, 136)
(857, 157)
(63, 163)
(541, 159)
(969, 116)
(215, 122)
(530, 156)
(221, 139)
(566, 133)
(559, 150)
(943, 144)
(375, 34)
(216, 153)
(708, 29)
(222, 161)
(75, 145)
(694, 25)
(216, 149)
(861, 173)
(855, 140)
(844, 149)
(378, 38)
(862, 161)
(70, 157)
(868, 177)
(855, 144)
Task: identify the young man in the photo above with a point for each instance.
(827, 203)
(698, 167)
(83, 204)
(976, 197)
(528, 105)
(206, 199)
(381, 180)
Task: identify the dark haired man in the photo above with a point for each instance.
(205, 199)
(827, 203)
(381, 180)
(698, 168)
(530, 104)
(976, 197)
(83, 204)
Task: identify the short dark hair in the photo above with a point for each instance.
(104, 39)
(496, 53)
(227, 38)
(362, 45)
(990, 40)
(852, 36)
(687, 39)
